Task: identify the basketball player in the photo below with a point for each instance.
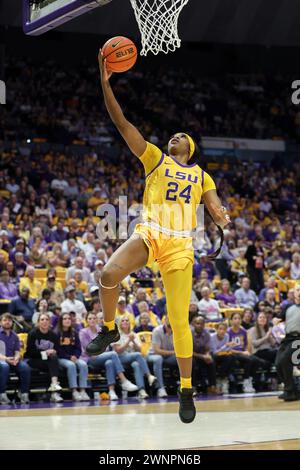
(170, 180)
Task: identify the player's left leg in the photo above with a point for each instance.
(178, 286)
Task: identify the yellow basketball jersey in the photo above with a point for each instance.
(173, 192)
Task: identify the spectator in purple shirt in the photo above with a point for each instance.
(69, 351)
(8, 290)
(59, 234)
(290, 300)
(203, 362)
(250, 363)
(10, 361)
(19, 263)
(20, 247)
(141, 296)
(225, 296)
(203, 265)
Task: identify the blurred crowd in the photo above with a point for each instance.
(51, 257)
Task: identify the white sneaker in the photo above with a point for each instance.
(128, 386)
(56, 398)
(225, 386)
(4, 400)
(76, 396)
(54, 387)
(142, 394)
(24, 398)
(162, 393)
(151, 380)
(84, 396)
(112, 395)
(247, 386)
(296, 372)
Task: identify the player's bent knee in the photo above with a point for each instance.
(109, 278)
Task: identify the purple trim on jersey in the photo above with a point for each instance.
(202, 176)
(181, 164)
(159, 163)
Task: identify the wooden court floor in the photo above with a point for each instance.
(264, 423)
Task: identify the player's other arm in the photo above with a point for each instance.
(213, 202)
(130, 134)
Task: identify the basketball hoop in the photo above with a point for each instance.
(158, 23)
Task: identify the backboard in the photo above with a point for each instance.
(40, 16)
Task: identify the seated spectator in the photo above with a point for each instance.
(71, 304)
(81, 285)
(56, 257)
(239, 264)
(13, 275)
(262, 342)
(204, 264)
(78, 264)
(43, 209)
(271, 284)
(208, 307)
(203, 362)
(141, 296)
(200, 283)
(69, 351)
(289, 300)
(22, 308)
(41, 352)
(96, 275)
(144, 323)
(95, 306)
(225, 296)
(54, 286)
(221, 350)
(295, 266)
(19, 264)
(193, 310)
(250, 363)
(129, 350)
(59, 234)
(10, 360)
(245, 296)
(20, 247)
(99, 319)
(41, 307)
(109, 359)
(270, 299)
(144, 307)
(248, 318)
(37, 257)
(285, 271)
(34, 285)
(162, 353)
(122, 310)
(8, 290)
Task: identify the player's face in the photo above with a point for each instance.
(179, 144)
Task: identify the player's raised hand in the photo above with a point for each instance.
(105, 74)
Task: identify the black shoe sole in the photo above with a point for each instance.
(103, 349)
(182, 418)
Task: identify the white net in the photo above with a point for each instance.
(158, 23)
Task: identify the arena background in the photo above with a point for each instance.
(238, 52)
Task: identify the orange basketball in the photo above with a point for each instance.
(120, 54)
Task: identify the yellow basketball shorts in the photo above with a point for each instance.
(171, 253)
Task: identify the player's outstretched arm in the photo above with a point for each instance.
(215, 208)
(130, 134)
